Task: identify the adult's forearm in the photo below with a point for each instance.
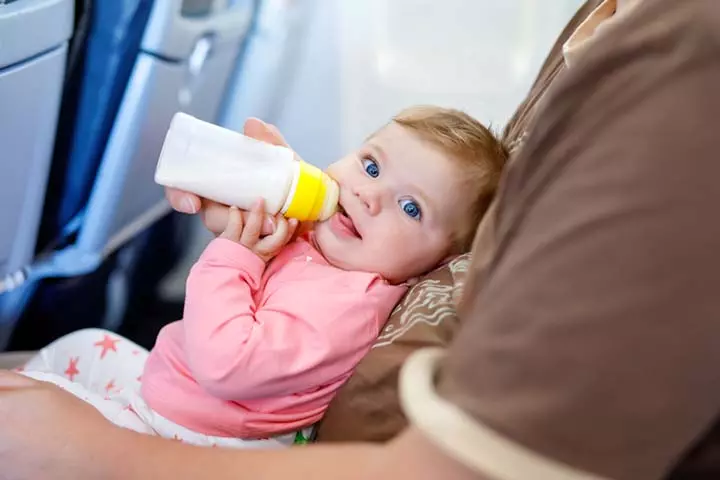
(47, 433)
(152, 458)
(410, 456)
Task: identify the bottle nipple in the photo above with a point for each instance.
(330, 199)
(314, 197)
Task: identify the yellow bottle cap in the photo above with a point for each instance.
(315, 195)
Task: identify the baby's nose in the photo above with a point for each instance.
(373, 206)
(371, 198)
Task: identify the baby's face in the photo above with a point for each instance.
(400, 200)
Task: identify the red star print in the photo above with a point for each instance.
(135, 352)
(72, 369)
(139, 378)
(129, 408)
(107, 343)
(110, 386)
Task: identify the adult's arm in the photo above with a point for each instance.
(48, 433)
(408, 456)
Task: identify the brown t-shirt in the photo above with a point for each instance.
(590, 343)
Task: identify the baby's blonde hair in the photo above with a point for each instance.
(481, 154)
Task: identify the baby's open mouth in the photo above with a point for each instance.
(346, 222)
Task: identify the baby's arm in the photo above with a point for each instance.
(303, 337)
(220, 310)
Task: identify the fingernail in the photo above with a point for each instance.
(188, 206)
(269, 224)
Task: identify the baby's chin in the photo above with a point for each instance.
(332, 254)
(335, 252)
(317, 241)
(329, 254)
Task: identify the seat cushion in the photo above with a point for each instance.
(367, 407)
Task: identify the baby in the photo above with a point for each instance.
(274, 325)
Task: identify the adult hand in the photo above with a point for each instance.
(42, 427)
(215, 215)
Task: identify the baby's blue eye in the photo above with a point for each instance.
(371, 167)
(411, 209)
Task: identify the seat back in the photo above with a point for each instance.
(34, 37)
(145, 61)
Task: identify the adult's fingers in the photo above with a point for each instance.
(214, 216)
(259, 130)
(234, 228)
(181, 201)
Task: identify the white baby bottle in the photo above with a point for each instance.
(230, 168)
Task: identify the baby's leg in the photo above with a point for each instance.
(168, 429)
(116, 411)
(99, 360)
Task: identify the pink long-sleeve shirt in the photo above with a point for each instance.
(262, 351)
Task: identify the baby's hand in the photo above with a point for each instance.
(249, 234)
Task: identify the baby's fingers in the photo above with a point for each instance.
(234, 228)
(253, 225)
(293, 225)
(269, 246)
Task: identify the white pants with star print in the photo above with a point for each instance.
(105, 370)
